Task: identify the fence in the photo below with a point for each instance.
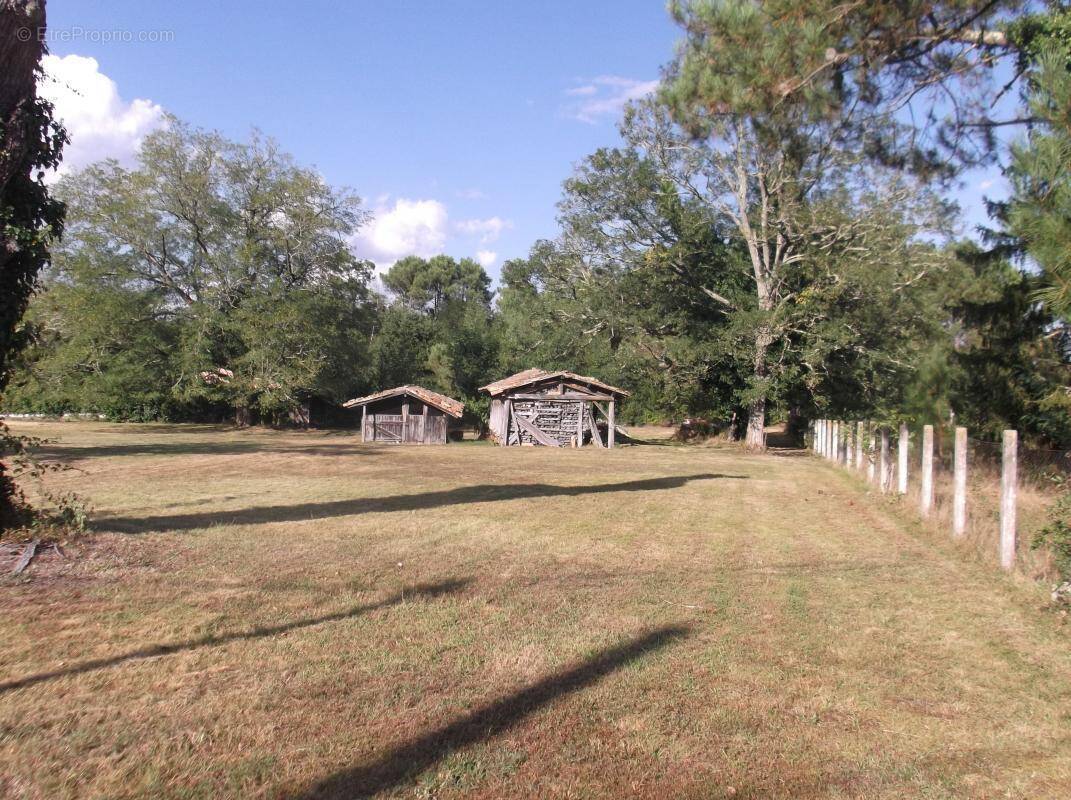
(984, 492)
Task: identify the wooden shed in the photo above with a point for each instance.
(555, 409)
(406, 415)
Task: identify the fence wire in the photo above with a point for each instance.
(1042, 475)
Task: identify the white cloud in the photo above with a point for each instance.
(470, 194)
(986, 184)
(487, 229)
(486, 257)
(407, 228)
(604, 96)
(99, 122)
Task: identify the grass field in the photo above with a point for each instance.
(298, 615)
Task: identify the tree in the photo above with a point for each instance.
(441, 332)
(1039, 214)
(235, 255)
(914, 83)
(30, 143)
(427, 285)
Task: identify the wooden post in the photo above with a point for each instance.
(835, 449)
(859, 433)
(822, 437)
(902, 448)
(581, 419)
(814, 437)
(926, 499)
(871, 457)
(364, 421)
(849, 444)
(405, 420)
(610, 433)
(507, 415)
(884, 468)
(1009, 487)
(959, 485)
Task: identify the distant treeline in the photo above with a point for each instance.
(769, 241)
(213, 280)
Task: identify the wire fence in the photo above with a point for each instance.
(1041, 475)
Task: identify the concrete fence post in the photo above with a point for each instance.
(1009, 487)
(859, 431)
(902, 447)
(959, 485)
(871, 456)
(926, 498)
(884, 468)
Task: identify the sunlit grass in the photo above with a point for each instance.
(332, 619)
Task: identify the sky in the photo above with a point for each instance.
(456, 121)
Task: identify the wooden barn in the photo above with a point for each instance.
(555, 409)
(406, 415)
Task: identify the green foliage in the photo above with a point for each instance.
(428, 285)
(1056, 535)
(794, 67)
(56, 514)
(213, 275)
(441, 332)
(1039, 215)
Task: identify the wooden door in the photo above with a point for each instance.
(387, 428)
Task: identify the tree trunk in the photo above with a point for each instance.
(755, 438)
(22, 27)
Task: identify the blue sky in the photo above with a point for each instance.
(455, 121)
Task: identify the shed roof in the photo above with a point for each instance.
(530, 376)
(445, 404)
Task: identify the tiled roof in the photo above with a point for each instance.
(530, 376)
(445, 404)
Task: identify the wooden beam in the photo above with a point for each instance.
(595, 435)
(581, 412)
(364, 421)
(28, 552)
(569, 396)
(507, 415)
(611, 429)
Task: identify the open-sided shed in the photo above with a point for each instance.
(406, 415)
(556, 409)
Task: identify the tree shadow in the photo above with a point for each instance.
(76, 453)
(482, 493)
(413, 757)
(421, 591)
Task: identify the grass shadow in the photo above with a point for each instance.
(195, 448)
(482, 493)
(422, 591)
(413, 757)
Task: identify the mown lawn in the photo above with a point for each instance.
(298, 615)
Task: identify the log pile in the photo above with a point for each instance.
(555, 419)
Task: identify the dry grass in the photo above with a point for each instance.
(297, 615)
